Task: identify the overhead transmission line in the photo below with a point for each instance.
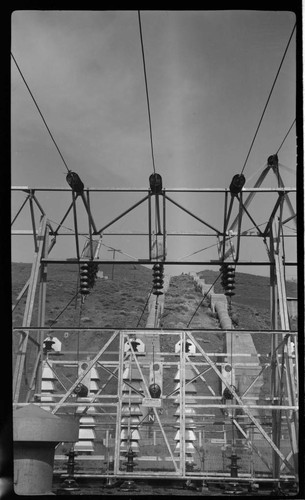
(39, 111)
(285, 136)
(269, 96)
(147, 96)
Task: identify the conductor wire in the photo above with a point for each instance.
(277, 74)
(39, 111)
(147, 96)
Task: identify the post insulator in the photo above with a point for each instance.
(158, 274)
(237, 184)
(155, 183)
(75, 182)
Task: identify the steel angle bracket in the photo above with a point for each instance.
(241, 403)
(91, 363)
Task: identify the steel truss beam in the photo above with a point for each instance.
(22, 346)
(184, 358)
(241, 403)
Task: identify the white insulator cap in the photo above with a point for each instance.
(189, 435)
(133, 434)
(87, 421)
(47, 373)
(46, 399)
(130, 420)
(86, 433)
(47, 385)
(94, 386)
(189, 447)
(84, 446)
(94, 374)
(125, 445)
(131, 410)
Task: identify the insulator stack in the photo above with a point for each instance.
(87, 421)
(237, 184)
(190, 437)
(131, 412)
(273, 161)
(228, 278)
(47, 385)
(88, 273)
(155, 183)
(75, 182)
(158, 279)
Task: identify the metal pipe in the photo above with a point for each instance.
(168, 262)
(169, 190)
(168, 331)
(169, 475)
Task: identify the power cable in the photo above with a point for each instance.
(39, 111)
(147, 96)
(285, 136)
(277, 74)
(203, 298)
(145, 306)
(55, 320)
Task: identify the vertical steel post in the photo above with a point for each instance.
(222, 254)
(75, 225)
(119, 405)
(182, 404)
(164, 227)
(89, 224)
(37, 371)
(33, 221)
(149, 225)
(22, 347)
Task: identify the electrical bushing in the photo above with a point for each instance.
(75, 182)
(129, 484)
(237, 184)
(155, 183)
(69, 483)
(233, 465)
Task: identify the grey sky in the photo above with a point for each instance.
(209, 75)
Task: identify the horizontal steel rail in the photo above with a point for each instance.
(167, 190)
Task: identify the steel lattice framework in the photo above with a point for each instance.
(259, 425)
